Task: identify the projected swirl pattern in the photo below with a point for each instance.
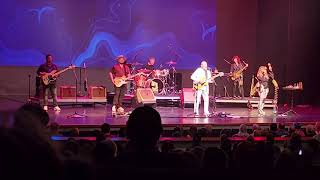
(95, 32)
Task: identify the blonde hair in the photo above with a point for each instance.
(262, 72)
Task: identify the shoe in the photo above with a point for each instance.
(57, 108)
(196, 114)
(207, 114)
(120, 110)
(45, 108)
(261, 112)
(114, 109)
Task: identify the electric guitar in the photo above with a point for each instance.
(48, 78)
(237, 74)
(205, 82)
(275, 85)
(119, 81)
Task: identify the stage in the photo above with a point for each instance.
(175, 116)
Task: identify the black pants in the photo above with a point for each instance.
(38, 85)
(218, 90)
(238, 86)
(119, 94)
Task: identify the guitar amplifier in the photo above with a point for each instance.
(145, 96)
(97, 92)
(67, 92)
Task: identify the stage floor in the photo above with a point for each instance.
(174, 116)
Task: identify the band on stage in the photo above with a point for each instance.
(127, 78)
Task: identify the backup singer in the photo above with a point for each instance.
(238, 67)
(263, 79)
(201, 79)
(49, 68)
(120, 70)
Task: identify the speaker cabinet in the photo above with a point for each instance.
(67, 92)
(187, 96)
(145, 96)
(97, 92)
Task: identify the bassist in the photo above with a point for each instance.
(49, 68)
(237, 68)
(119, 70)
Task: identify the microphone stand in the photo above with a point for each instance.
(29, 87)
(76, 114)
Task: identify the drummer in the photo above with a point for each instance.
(149, 67)
(150, 64)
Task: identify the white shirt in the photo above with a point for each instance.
(200, 74)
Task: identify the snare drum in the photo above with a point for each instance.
(155, 84)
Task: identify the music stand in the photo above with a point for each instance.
(76, 114)
(291, 111)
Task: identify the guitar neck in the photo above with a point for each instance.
(62, 71)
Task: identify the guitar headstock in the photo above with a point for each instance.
(71, 67)
(269, 67)
(221, 74)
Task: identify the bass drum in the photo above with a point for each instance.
(140, 81)
(156, 85)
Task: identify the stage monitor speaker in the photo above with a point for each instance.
(145, 96)
(187, 96)
(67, 92)
(97, 92)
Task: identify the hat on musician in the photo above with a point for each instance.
(121, 57)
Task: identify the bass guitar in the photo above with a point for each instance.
(237, 74)
(48, 78)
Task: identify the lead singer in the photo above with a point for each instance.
(201, 78)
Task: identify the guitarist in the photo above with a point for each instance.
(263, 80)
(238, 82)
(121, 69)
(49, 67)
(201, 78)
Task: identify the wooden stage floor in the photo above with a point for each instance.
(174, 116)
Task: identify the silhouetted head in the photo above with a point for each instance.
(144, 127)
(105, 128)
(31, 114)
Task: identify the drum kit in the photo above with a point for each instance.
(161, 81)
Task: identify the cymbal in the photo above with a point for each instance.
(144, 70)
(171, 62)
(136, 63)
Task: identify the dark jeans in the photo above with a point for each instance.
(38, 84)
(53, 90)
(237, 86)
(119, 94)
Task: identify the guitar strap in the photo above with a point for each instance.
(206, 73)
